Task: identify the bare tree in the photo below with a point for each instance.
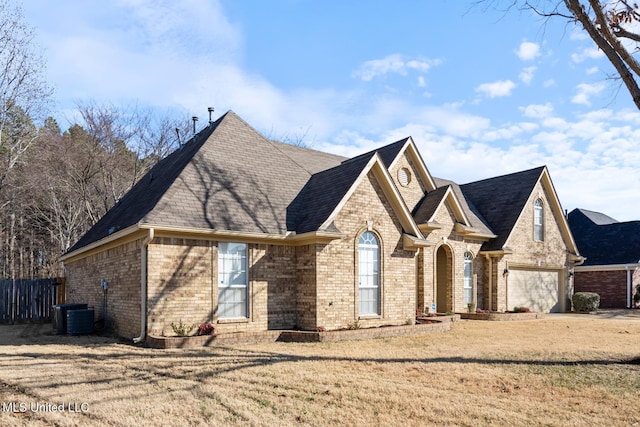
(612, 25)
(23, 89)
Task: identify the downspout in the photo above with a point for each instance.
(143, 287)
(629, 287)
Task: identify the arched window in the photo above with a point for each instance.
(538, 221)
(468, 278)
(369, 274)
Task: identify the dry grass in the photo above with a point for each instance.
(562, 370)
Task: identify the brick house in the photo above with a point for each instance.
(256, 235)
(612, 252)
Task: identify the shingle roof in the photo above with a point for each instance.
(500, 201)
(473, 214)
(603, 242)
(228, 177)
(323, 193)
(144, 196)
(598, 218)
(428, 205)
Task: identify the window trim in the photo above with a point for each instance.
(244, 268)
(378, 274)
(538, 214)
(467, 259)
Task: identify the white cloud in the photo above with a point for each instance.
(537, 111)
(591, 52)
(528, 51)
(584, 92)
(526, 75)
(591, 70)
(592, 158)
(392, 64)
(549, 83)
(496, 89)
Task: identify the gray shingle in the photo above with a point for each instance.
(500, 201)
(605, 242)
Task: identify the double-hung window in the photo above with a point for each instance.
(232, 280)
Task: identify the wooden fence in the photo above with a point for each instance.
(29, 300)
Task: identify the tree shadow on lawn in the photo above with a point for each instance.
(192, 367)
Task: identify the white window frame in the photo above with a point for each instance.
(369, 274)
(538, 220)
(233, 281)
(467, 284)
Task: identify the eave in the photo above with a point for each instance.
(136, 231)
(607, 267)
(498, 252)
(472, 232)
(410, 242)
(430, 226)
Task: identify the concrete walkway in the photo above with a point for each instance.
(605, 313)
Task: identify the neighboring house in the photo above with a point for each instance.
(612, 252)
(255, 235)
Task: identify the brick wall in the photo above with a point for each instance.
(337, 283)
(182, 285)
(305, 296)
(610, 285)
(551, 253)
(120, 266)
(454, 247)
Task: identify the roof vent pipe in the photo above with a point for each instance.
(210, 110)
(195, 119)
(178, 135)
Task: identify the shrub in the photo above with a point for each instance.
(353, 325)
(521, 310)
(585, 301)
(471, 307)
(182, 329)
(206, 328)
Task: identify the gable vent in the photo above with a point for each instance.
(404, 177)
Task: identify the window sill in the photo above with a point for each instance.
(370, 317)
(233, 320)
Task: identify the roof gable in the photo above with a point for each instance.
(501, 201)
(411, 151)
(315, 208)
(435, 200)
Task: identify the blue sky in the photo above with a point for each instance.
(482, 93)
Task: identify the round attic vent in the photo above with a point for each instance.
(404, 177)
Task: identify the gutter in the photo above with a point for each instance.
(143, 287)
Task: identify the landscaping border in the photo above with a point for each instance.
(441, 324)
(501, 316)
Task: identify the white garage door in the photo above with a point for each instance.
(538, 290)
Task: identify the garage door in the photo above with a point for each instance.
(538, 290)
